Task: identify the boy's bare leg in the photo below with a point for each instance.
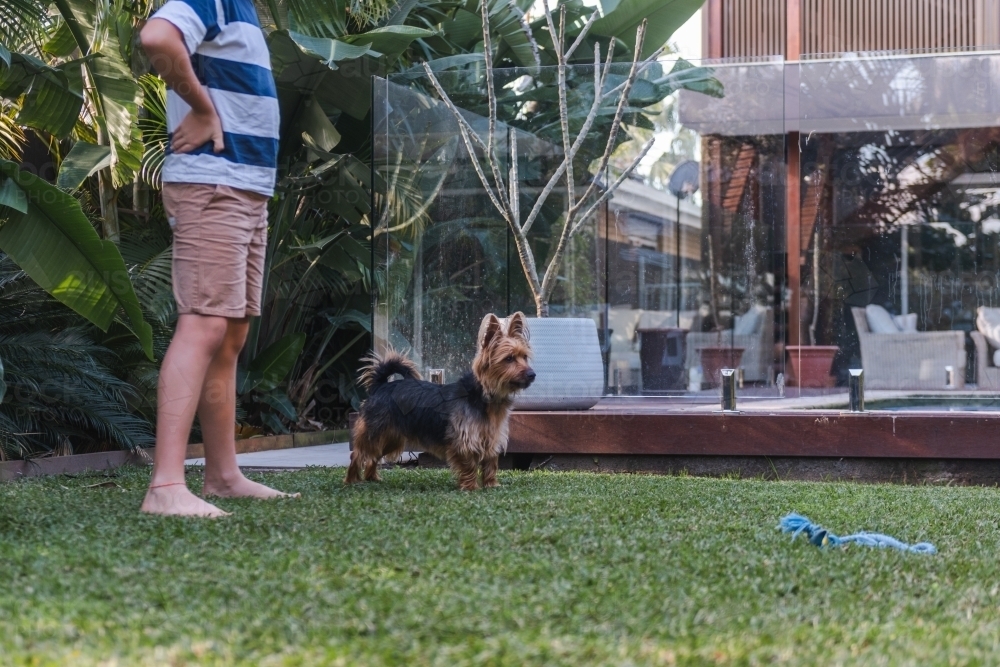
(217, 414)
(180, 385)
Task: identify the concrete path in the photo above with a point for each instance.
(337, 455)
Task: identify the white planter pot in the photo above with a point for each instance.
(567, 362)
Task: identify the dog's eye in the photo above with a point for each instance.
(509, 359)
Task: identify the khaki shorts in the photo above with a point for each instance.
(220, 237)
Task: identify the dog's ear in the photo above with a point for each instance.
(488, 330)
(517, 326)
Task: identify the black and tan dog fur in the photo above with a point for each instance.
(463, 423)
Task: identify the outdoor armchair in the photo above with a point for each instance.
(758, 346)
(987, 374)
(909, 360)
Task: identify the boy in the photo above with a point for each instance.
(222, 115)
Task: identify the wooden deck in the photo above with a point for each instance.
(773, 428)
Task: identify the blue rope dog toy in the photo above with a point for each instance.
(821, 537)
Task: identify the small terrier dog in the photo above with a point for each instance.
(463, 423)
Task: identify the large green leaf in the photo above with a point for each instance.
(120, 99)
(55, 244)
(507, 20)
(274, 362)
(12, 196)
(328, 51)
(664, 18)
(390, 40)
(60, 42)
(315, 123)
(83, 160)
(278, 401)
(50, 104)
(116, 95)
(335, 73)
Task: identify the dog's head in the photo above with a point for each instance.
(501, 363)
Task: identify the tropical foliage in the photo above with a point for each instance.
(85, 243)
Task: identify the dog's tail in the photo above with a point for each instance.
(377, 369)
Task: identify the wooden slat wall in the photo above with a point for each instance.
(752, 28)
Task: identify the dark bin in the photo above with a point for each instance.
(661, 355)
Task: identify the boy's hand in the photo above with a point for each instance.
(197, 129)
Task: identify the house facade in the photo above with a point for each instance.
(852, 166)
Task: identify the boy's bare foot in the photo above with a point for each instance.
(241, 487)
(177, 500)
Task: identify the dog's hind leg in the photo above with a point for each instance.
(387, 446)
(360, 446)
(490, 466)
(354, 469)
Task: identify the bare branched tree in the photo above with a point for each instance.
(580, 206)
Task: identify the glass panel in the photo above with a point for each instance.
(691, 265)
(710, 192)
(899, 241)
(442, 253)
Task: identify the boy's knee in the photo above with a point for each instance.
(235, 336)
(203, 331)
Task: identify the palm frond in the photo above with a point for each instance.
(11, 134)
(153, 125)
(21, 22)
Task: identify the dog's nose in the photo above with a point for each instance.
(530, 375)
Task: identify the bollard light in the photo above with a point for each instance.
(728, 390)
(856, 383)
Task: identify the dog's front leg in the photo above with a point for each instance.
(466, 469)
(490, 465)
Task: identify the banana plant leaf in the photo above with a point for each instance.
(60, 42)
(317, 126)
(82, 161)
(50, 102)
(120, 97)
(44, 230)
(13, 197)
(337, 72)
(277, 400)
(272, 365)
(317, 67)
(664, 18)
(507, 20)
(116, 93)
(390, 40)
(328, 51)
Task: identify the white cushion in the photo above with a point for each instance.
(996, 358)
(749, 322)
(879, 320)
(906, 323)
(988, 323)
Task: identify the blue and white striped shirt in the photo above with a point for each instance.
(231, 59)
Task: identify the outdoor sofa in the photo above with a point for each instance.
(909, 360)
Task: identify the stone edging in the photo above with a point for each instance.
(77, 463)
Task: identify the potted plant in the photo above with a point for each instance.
(811, 364)
(566, 350)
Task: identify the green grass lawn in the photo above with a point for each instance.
(552, 568)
